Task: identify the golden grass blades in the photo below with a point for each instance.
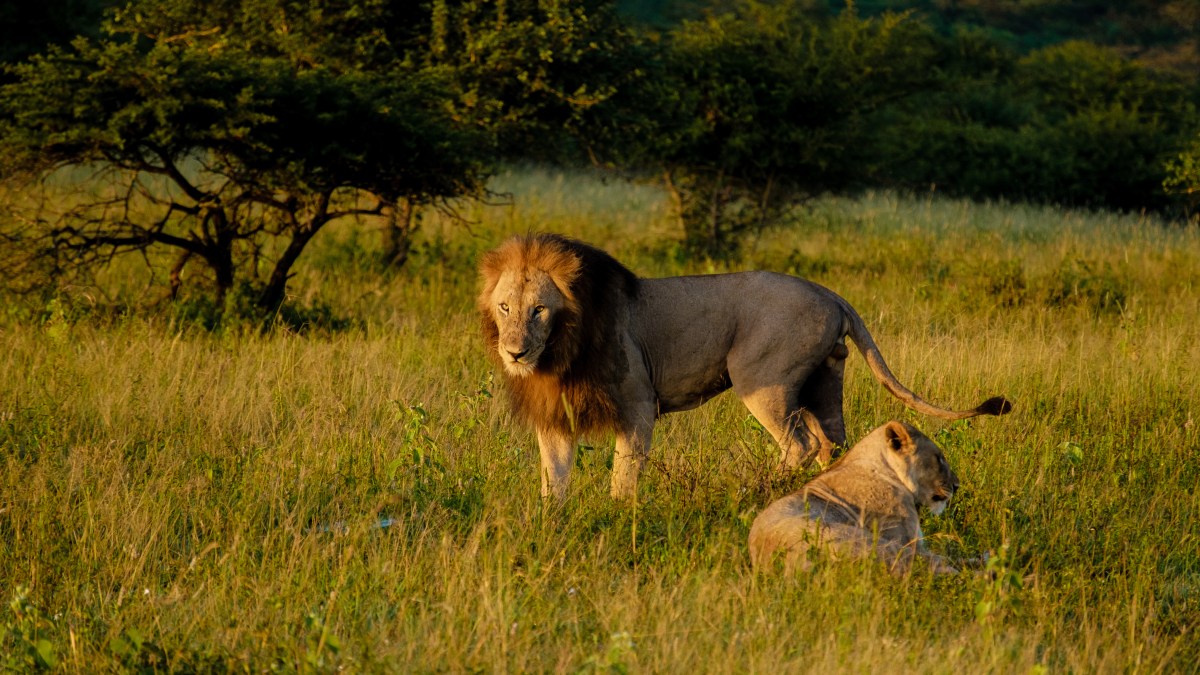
(359, 498)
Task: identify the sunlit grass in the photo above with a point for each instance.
(196, 500)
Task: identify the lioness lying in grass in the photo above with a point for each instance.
(864, 504)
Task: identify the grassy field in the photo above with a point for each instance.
(360, 499)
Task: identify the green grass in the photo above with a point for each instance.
(178, 499)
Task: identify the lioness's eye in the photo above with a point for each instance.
(504, 307)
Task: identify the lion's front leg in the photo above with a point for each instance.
(558, 454)
(633, 447)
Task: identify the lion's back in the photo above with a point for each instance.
(690, 327)
(732, 293)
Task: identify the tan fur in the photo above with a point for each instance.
(569, 386)
(864, 504)
(587, 347)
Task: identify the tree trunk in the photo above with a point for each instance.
(175, 277)
(222, 263)
(275, 291)
(402, 225)
(676, 200)
(716, 209)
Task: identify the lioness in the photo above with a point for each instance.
(865, 503)
(587, 346)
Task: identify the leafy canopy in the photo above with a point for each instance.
(767, 104)
(217, 151)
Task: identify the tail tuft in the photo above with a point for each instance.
(996, 405)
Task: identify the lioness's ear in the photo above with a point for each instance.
(897, 438)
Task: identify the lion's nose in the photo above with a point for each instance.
(516, 356)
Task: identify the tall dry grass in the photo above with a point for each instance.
(179, 499)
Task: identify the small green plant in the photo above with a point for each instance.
(25, 642)
(1081, 283)
(1072, 452)
(471, 407)
(420, 444)
(133, 651)
(321, 645)
(614, 657)
(1001, 596)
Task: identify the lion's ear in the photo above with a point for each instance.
(898, 439)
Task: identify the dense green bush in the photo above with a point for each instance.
(1074, 124)
(1183, 176)
(765, 105)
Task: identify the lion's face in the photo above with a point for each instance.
(921, 465)
(524, 305)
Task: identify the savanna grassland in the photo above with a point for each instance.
(358, 497)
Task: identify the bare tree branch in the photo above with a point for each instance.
(169, 169)
(377, 210)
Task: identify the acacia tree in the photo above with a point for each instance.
(533, 74)
(765, 105)
(194, 144)
(523, 74)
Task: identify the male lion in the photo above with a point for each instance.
(865, 503)
(589, 347)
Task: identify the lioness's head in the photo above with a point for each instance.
(920, 464)
(527, 298)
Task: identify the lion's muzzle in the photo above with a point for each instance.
(519, 361)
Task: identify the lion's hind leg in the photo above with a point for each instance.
(794, 388)
(809, 440)
(797, 430)
(821, 395)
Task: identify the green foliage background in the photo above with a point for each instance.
(302, 113)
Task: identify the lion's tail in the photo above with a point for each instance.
(857, 330)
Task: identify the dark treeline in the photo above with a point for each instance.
(1075, 102)
(271, 118)
(1158, 32)
(27, 28)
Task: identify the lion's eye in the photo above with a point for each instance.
(504, 307)
(539, 309)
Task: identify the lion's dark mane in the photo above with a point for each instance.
(573, 388)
